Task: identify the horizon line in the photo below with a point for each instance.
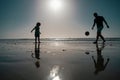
(62, 38)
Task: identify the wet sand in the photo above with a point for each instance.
(59, 60)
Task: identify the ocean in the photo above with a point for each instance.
(59, 59)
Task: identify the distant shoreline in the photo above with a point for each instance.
(66, 39)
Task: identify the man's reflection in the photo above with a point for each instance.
(36, 54)
(99, 63)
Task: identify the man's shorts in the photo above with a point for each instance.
(99, 29)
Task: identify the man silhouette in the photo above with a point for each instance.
(99, 22)
(100, 64)
(37, 32)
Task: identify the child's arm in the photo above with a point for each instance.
(32, 55)
(33, 29)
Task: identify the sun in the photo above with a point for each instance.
(56, 5)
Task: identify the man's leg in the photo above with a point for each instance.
(101, 35)
(97, 37)
(102, 38)
(98, 34)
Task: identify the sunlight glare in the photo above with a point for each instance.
(54, 73)
(56, 5)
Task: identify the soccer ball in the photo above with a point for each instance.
(87, 33)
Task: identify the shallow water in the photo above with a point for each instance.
(59, 60)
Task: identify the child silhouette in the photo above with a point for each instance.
(37, 32)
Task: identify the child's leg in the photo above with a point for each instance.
(39, 39)
(35, 39)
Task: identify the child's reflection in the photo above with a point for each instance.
(99, 63)
(37, 54)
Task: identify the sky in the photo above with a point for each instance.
(59, 18)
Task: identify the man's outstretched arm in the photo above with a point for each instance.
(94, 60)
(106, 63)
(105, 22)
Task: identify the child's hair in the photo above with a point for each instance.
(38, 24)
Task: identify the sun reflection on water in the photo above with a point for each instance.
(54, 73)
(56, 43)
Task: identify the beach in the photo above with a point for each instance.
(59, 60)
